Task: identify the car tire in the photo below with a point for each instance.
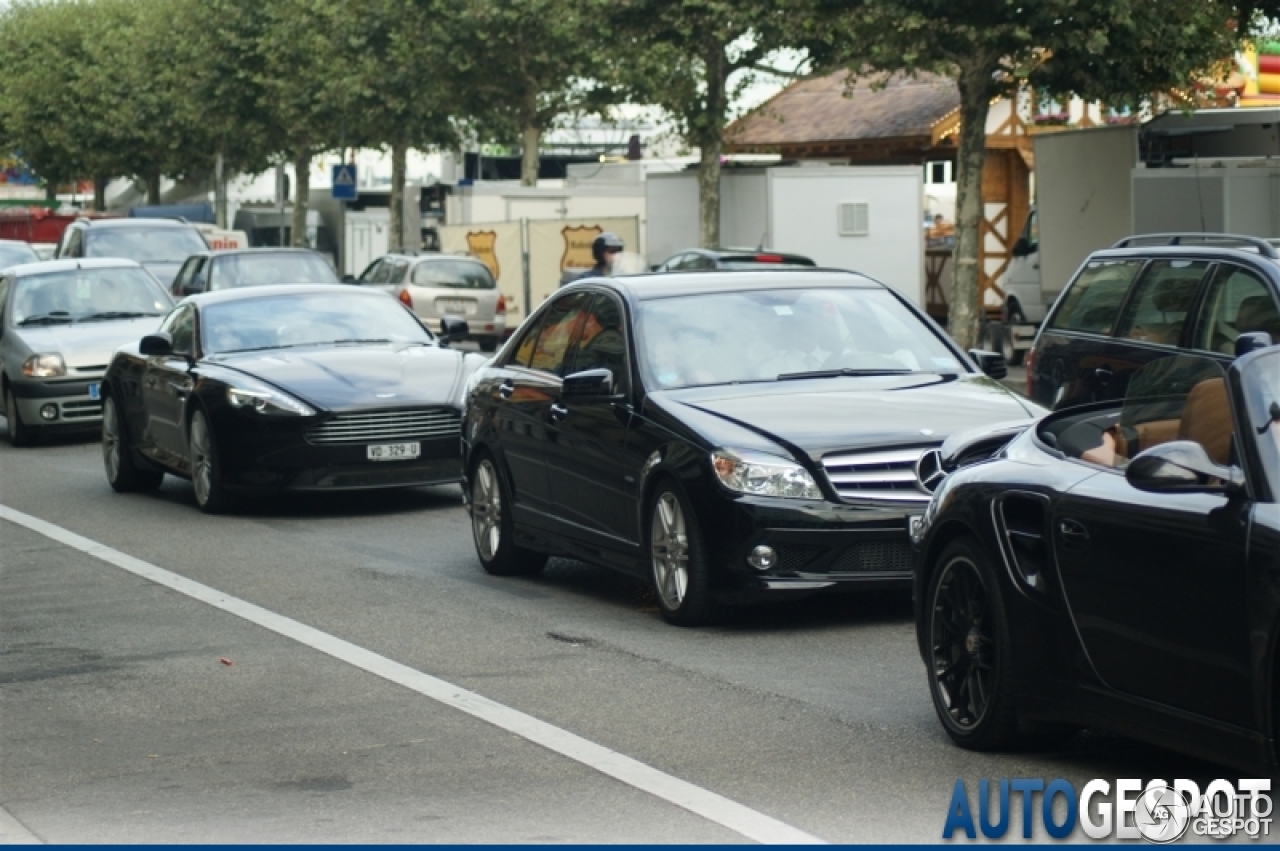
(678, 560)
(206, 468)
(969, 652)
(123, 473)
(20, 434)
(1012, 356)
(488, 344)
(492, 527)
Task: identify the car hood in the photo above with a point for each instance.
(85, 345)
(819, 416)
(361, 377)
(163, 272)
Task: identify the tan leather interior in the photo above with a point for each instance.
(1206, 419)
(1258, 313)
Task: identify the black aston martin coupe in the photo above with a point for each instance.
(302, 387)
(1117, 566)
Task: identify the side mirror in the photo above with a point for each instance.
(588, 384)
(453, 328)
(349, 279)
(991, 363)
(1251, 342)
(159, 343)
(1181, 466)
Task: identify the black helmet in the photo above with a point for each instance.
(605, 242)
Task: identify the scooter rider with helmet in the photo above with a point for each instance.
(604, 248)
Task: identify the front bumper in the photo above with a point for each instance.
(75, 408)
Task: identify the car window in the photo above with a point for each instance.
(370, 272)
(603, 342)
(1261, 381)
(256, 269)
(699, 261)
(1162, 301)
(455, 274)
(145, 244)
(75, 243)
(1093, 299)
(87, 295)
(4, 293)
(673, 263)
(184, 274)
(13, 253)
(545, 348)
(395, 270)
(294, 320)
(1239, 302)
(180, 326)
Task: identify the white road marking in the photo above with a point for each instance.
(717, 808)
(12, 831)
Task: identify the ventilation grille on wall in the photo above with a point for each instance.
(854, 219)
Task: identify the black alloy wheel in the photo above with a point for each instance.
(680, 573)
(206, 470)
(969, 656)
(493, 528)
(20, 434)
(123, 473)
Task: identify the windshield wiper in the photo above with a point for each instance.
(115, 314)
(47, 318)
(837, 373)
(357, 341)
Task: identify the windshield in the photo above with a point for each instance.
(457, 274)
(13, 253)
(308, 319)
(768, 335)
(254, 270)
(87, 294)
(1262, 390)
(143, 244)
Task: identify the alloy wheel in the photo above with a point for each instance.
(486, 510)
(963, 642)
(201, 460)
(111, 439)
(669, 549)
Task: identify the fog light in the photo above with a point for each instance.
(762, 558)
(49, 412)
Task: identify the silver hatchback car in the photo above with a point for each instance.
(60, 322)
(436, 285)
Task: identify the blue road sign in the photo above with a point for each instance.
(344, 182)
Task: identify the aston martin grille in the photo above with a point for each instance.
(422, 424)
(886, 475)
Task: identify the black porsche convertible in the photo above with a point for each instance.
(301, 387)
(1117, 566)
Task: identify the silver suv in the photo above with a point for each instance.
(437, 285)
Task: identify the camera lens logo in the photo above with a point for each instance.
(1161, 815)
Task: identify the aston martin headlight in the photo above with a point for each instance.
(760, 474)
(44, 366)
(267, 400)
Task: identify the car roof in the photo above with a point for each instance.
(668, 284)
(432, 255)
(260, 249)
(250, 293)
(138, 222)
(738, 252)
(42, 267)
(1203, 251)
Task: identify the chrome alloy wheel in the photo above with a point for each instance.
(201, 458)
(486, 510)
(963, 644)
(111, 448)
(669, 549)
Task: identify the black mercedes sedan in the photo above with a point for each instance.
(1117, 566)
(286, 388)
(730, 436)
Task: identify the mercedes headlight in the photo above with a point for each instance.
(44, 366)
(266, 400)
(760, 474)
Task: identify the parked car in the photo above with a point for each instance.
(1115, 566)
(1146, 298)
(160, 245)
(208, 271)
(695, 259)
(729, 436)
(437, 285)
(15, 251)
(60, 320)
(285, 388)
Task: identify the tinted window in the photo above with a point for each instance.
(87, 295)
(144, 245)
(181, 328)
(545, 346)
(1094, 299)
(1239, 302)
(308, 319)
(456, 274)
(13, 253)
(1262, 392)
(371, 272)
(603, 343)
(1161, 302)
(254, 270)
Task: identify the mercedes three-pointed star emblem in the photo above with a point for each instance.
(929, 472)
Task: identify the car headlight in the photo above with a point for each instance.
(760, 474)
(267, 400)
(44, 366)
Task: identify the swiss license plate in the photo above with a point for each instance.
(458, 305)
(393, 451)
(95, 391)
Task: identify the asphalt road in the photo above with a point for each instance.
(133, 712)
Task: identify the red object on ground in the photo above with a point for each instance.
(224, 660)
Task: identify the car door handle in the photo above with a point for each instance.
(1103, 375)
(558, 412)
(1073, 533)
(505, 389)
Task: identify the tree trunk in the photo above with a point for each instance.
(100, 193)
(301, 196)
(219, 192)
(530, 136)
(710, 144)
(963, 309)
(50, 191)
(153, 188)
(396, 241)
